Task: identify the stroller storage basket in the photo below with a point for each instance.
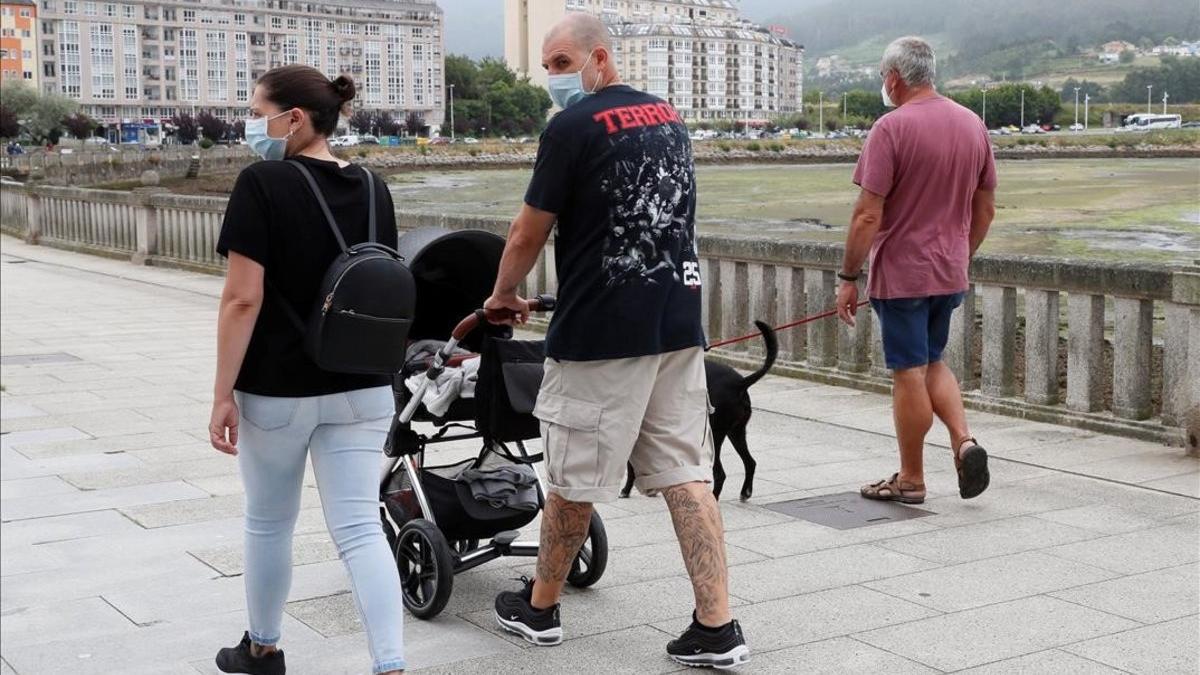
(445, 501)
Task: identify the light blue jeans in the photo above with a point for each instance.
(345, 433)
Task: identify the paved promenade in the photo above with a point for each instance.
(120, 547)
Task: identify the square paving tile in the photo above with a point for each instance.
(1136, 552)
(986, 540)
(978, 636)
(1152, 597)
(839, 656)
(1049, 662)
(1164, 649)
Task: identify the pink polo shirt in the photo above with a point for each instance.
(926, 158)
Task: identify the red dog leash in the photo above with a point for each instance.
(801, 322)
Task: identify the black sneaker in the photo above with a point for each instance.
(239, 660)
(703, 647)
(516, 615)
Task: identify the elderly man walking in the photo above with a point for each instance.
(928, 184)
(624, 376)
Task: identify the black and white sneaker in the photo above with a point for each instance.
(239, 660)
(703, 647)
(516, 614)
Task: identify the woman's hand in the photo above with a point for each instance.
(223, 426)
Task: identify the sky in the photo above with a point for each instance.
(476, 27)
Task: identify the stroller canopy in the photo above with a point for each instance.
(454, 271)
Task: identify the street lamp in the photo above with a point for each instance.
(1023, 105)
(1164, 103)
(1086, 98)
(845, 98)
(985, 107)
(451, 113)
(1076, 105)
(821, 112)
(1149, 87)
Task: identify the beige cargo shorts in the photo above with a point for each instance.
(651, 411)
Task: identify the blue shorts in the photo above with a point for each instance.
(915, 330)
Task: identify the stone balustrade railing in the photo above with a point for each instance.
(1104, 346)
(91, 166)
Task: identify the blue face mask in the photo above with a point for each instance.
(567, 89)
(261, 142)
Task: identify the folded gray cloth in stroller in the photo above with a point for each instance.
(510, 486)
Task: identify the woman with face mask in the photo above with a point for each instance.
(272, 405)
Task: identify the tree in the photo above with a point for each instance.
(212, 127)
(238, 130)
(1086, 88)
(414, 124)
(462, 72)
(45, 121)
(1180, 77)
(1127, 56)
(362, 121)
(18, 97)
(9, 126)
(186, 130)
(79, 125)
(1004, 103)
(386, 124)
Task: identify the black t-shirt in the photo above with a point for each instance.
(616, 167)
(274, 219)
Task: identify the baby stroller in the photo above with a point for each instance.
(435, 526)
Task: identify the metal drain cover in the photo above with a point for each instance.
(846, 510)
(35, 359)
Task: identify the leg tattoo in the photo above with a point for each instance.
(564, 529)
(701, 537)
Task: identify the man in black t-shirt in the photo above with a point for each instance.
(625, 369)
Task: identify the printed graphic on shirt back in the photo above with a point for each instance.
(651, 193)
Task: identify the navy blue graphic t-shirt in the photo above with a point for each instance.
(616, 168)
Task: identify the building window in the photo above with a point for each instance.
(128, 11)
(132, 77)
(189, 66)
(89, 9)
(371, 73)
(218, 85)
(241, 68)
(189, 16)
(70, 7)
(104, 76)
(68, 47)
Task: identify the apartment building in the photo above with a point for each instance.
(19, 41)
(701, 55)
(150, 60)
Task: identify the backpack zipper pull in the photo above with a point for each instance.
(328, 302)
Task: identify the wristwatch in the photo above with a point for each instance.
(848, 277)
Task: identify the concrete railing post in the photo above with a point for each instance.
(792, 342)
(1041, 346)
(960, 349)
(822, 335)
(146, 224)
(1181, 357)
(1085, 352)
(854, 344)
(33, 216)
(713, 295)
(735, 296)
(764, 301)
(1133, 326)
(999, 340)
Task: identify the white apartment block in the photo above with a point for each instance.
(150, 60)
(700, 55)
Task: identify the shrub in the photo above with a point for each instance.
(205, 143)
(724, 147)
(753, 146)
(473, 152)
(776, 147)
(362, 153)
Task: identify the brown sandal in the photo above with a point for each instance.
(894, 490)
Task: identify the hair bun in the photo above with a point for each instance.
(344, 86)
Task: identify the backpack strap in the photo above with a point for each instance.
(316, 190)
(370, 204)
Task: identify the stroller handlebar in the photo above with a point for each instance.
(540, 303)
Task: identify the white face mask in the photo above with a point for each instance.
(567, 88)
(887, 100)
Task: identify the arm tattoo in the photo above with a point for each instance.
(700, 532)
(564, 529)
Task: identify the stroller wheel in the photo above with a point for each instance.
(464, 546)
(426, 568)
(592, 559)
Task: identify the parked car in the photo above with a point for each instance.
(470, 140)
(368, 140)
(1033, 129)
(439, 140)
(95, 140)
(1190, 125)
(1076, 127)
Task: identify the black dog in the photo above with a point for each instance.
(729, 394)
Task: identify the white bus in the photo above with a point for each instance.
(1144, 121)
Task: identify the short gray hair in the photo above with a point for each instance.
(913, 58)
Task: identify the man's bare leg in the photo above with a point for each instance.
(946, 398)
(701, 535)
(564, 529)
(913, 414)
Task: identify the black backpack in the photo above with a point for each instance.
(361, 317)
